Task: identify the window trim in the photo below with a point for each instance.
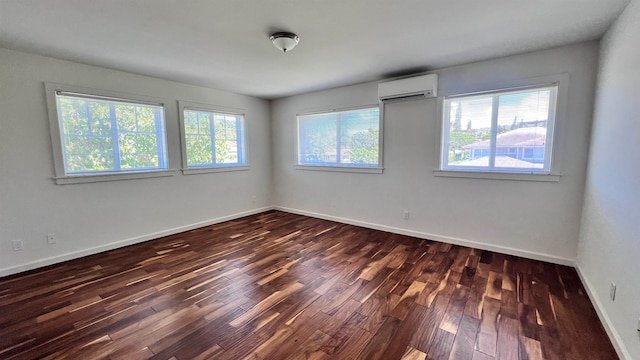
(188, 105)
(554, 172)
(343, 168)
(61, 177)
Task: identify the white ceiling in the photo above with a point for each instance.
(224, 44)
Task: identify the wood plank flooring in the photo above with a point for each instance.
(283, 286)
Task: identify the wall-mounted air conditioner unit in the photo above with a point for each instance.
(424, 86)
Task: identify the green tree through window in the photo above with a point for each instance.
(105, 135)
(340, 138)
(213, 139)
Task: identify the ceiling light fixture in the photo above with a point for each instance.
(284, 41)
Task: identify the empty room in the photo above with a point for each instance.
(320, 179)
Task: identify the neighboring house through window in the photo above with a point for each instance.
(501, 131)
(526, 144)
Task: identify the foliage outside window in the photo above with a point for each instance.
(213, 139)
(348, 138)
(503, 131)
(101, 135)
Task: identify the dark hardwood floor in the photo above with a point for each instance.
(283, 286)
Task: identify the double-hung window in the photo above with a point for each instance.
(213, 139)
(501, 131)
(340, 139)
(97, 137)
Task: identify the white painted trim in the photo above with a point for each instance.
(495, 175)
(617, 342)
(373, 170)
(446, 239)
(116, 176)
(214, 169)
(126, 242)
(422, 235)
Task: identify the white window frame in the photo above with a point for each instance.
(61, 176)
(342, 168)
(220, 167)
(552, 173)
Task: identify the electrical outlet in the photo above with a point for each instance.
(612, 292)
(18, 245)
(51, 239)
(405, 215)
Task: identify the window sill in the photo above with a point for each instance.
(340, 169)
(497, 175)
(91, 178)
(206, 170)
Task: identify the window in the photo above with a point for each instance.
(100, 135)
(213, 140)
(340, 139)
(503, 131)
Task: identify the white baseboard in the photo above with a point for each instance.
(446, 239)
(423, 235)
(122, 243)
(604, 318)
(617, 342)
(126, 242)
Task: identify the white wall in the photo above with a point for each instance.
(535, 219)
(610, 234)
(91, 217)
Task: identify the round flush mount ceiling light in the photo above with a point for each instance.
(284, 41)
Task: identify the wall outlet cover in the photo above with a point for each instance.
(18, 245)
